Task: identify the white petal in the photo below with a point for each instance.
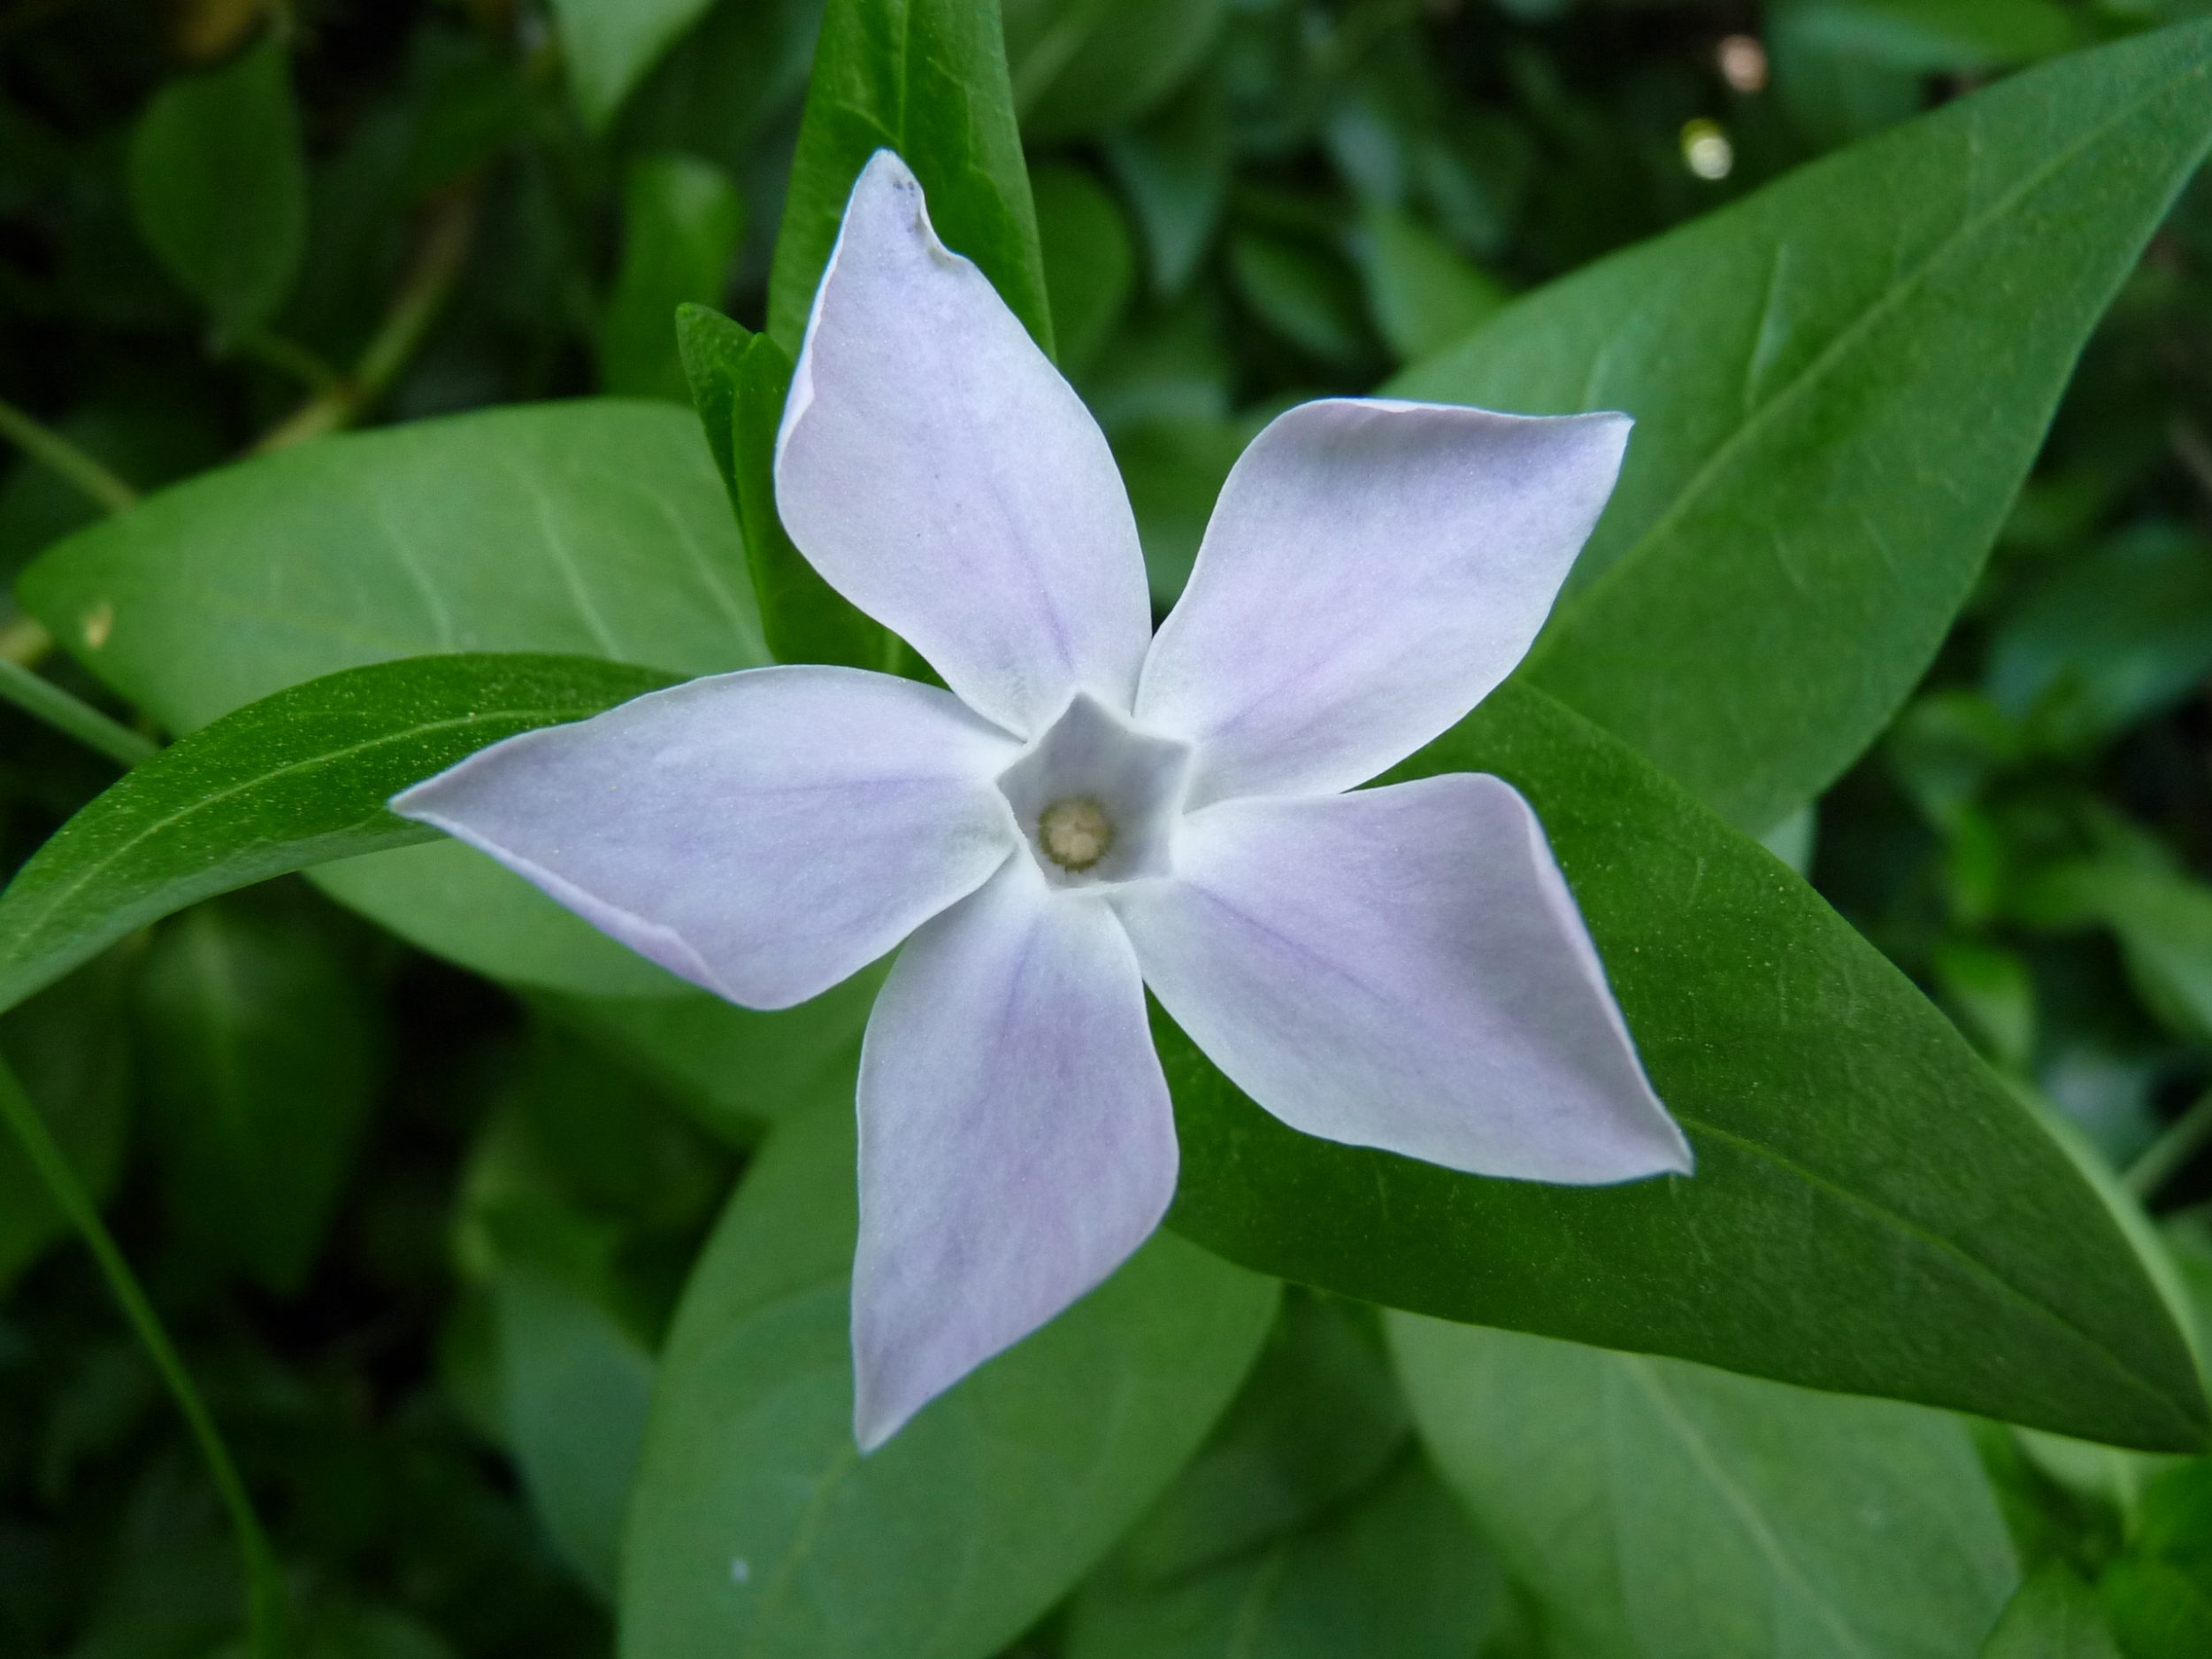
(1403, 968)
(1372, 570)
(940, 473)
(765, 834)
(1016, 1140)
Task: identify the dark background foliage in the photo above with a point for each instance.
(345, 1169)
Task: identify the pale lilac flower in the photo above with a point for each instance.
(1090, 810)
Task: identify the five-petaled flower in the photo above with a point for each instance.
(1091, 810)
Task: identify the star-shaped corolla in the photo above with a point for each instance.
(1090, 810)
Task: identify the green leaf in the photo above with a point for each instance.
(261, 1068)
(2054, 1616)
(1938, 36)
(578, 1383)
(1176, 170)
(591, 528)
(1396, 1572)
(1083, 67)
(757, 1526)
(1872, 1211)
(220, 187)
(927, 78)
(739, 383)
(78, 1079)
(292, 781)
(681, 222)
(1090, 262)
(1319, 1419)
(1655, 1508)
(608, 44)
(2163, 920)
(1423, 293)
(1840, 383)
(737, 1069)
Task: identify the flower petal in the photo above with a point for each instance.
(765, 834)
(1372, 570)
(1016, 1140)
(940, 473)
(1403, 968)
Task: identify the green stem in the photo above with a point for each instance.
(2181, 1141)
(43, 444)
(264, 1590)
(47, 702)
(289, 357)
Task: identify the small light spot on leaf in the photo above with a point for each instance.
(741, 1570)
(98, 624)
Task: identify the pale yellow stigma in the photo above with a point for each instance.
(1075, 832)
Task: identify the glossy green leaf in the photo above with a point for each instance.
(289, 781)
(738, 381)
(1084, 67)
(1660, 1510)
(220, 187)
(927, 78)
(759, 1529)
(681, 222)
(592, 527)
(61, 1046)
(607, 45)
(1840, 383)
(1397, 1572)
(260, 1068)
(2054, 1616)
(1090, 262)
(1872, 1211)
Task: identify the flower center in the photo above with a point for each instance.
(1076, 833)
(1097, 800)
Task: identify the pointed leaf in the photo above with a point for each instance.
(1873, 1210)
(1840, 383)
(284, 783)
(927, 78)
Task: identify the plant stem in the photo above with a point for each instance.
(439, 254)
(45, 700)
(264, 1589)
(43, 444)
(2179, 1141)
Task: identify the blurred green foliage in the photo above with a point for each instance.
(421, 1234)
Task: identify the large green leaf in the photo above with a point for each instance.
(287, 782)
(220, 187)
(1660, 1510)
(927, 78)
(594, 527)
(757, 1527)
(1840, 384)
(1872, 1211)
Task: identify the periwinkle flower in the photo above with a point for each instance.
(1091, 810)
